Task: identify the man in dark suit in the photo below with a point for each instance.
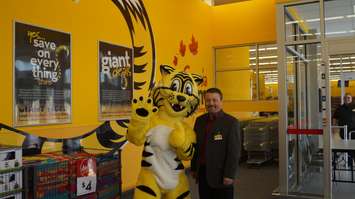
(215, 162)
(345, 115)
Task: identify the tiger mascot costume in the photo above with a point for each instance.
(157, 122)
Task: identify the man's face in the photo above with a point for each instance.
(348, 99)
(213, 102)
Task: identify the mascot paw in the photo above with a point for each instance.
(177, 137)
(143, 108)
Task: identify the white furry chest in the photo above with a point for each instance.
(163, 161)
(159, 137)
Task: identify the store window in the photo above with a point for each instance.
(268, 74)
(247, 72)
(339, 18)
(302, 22)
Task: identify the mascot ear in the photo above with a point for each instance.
(166, 69)
(197, 78)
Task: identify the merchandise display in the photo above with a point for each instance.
(45, 177)
(10, 172)
(12, 196)
(77, 175)
(82, 173)
(261, 140)
(10, 157)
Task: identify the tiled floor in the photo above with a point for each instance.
(255, 183)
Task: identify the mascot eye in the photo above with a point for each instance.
(188, 88)
(175, 85)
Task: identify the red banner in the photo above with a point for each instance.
(305, 131)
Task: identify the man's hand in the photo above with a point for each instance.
(228, 181)
(194, 174)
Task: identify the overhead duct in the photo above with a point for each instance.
(221, 2)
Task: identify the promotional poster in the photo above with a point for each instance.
(42, 76)
(116, 80)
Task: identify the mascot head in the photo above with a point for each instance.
(177, 92)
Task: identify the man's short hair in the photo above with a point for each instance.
(215, 90)
(348, 94)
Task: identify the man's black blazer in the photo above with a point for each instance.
(222, 148)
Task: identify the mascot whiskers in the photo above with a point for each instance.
(157, 122)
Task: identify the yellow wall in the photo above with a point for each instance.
(336, 91)
(247, 106)
(244, 22)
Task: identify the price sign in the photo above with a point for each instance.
(85, 185)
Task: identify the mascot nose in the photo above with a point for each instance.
(181, 98)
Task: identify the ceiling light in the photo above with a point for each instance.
(209, 2)
(334, 18)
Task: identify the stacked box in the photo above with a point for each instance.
(108, 176)
(11, 181)
(10, 171)
(13, 196)
(80, 165)
(98, 167)
(274, 130)
(257, 137)
(10, 157)
(88, 196)
(45, 178)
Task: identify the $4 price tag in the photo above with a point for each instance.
(85, 185)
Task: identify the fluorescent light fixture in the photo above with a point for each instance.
(263, 49)
(334, 18)
(313, 20)
(293, 22)
(263, 57)
(338, 63)
(268, 57)
(274, 72)
(337, 32)
(209, 2)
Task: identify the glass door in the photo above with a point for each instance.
(342, 84)
(305, 159)
(303, 106)
(316, 42)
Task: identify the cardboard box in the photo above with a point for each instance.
(10, 157)
(12, 196)
(11, 181)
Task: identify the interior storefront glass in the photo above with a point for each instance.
(268, 73)
(241, 81)
(237, 62)
(339, 18)
(240, 61)
(305, 158)
(342, 75)
(302, 22)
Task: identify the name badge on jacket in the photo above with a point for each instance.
(217, 136)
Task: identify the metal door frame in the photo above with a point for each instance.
(282, 67)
